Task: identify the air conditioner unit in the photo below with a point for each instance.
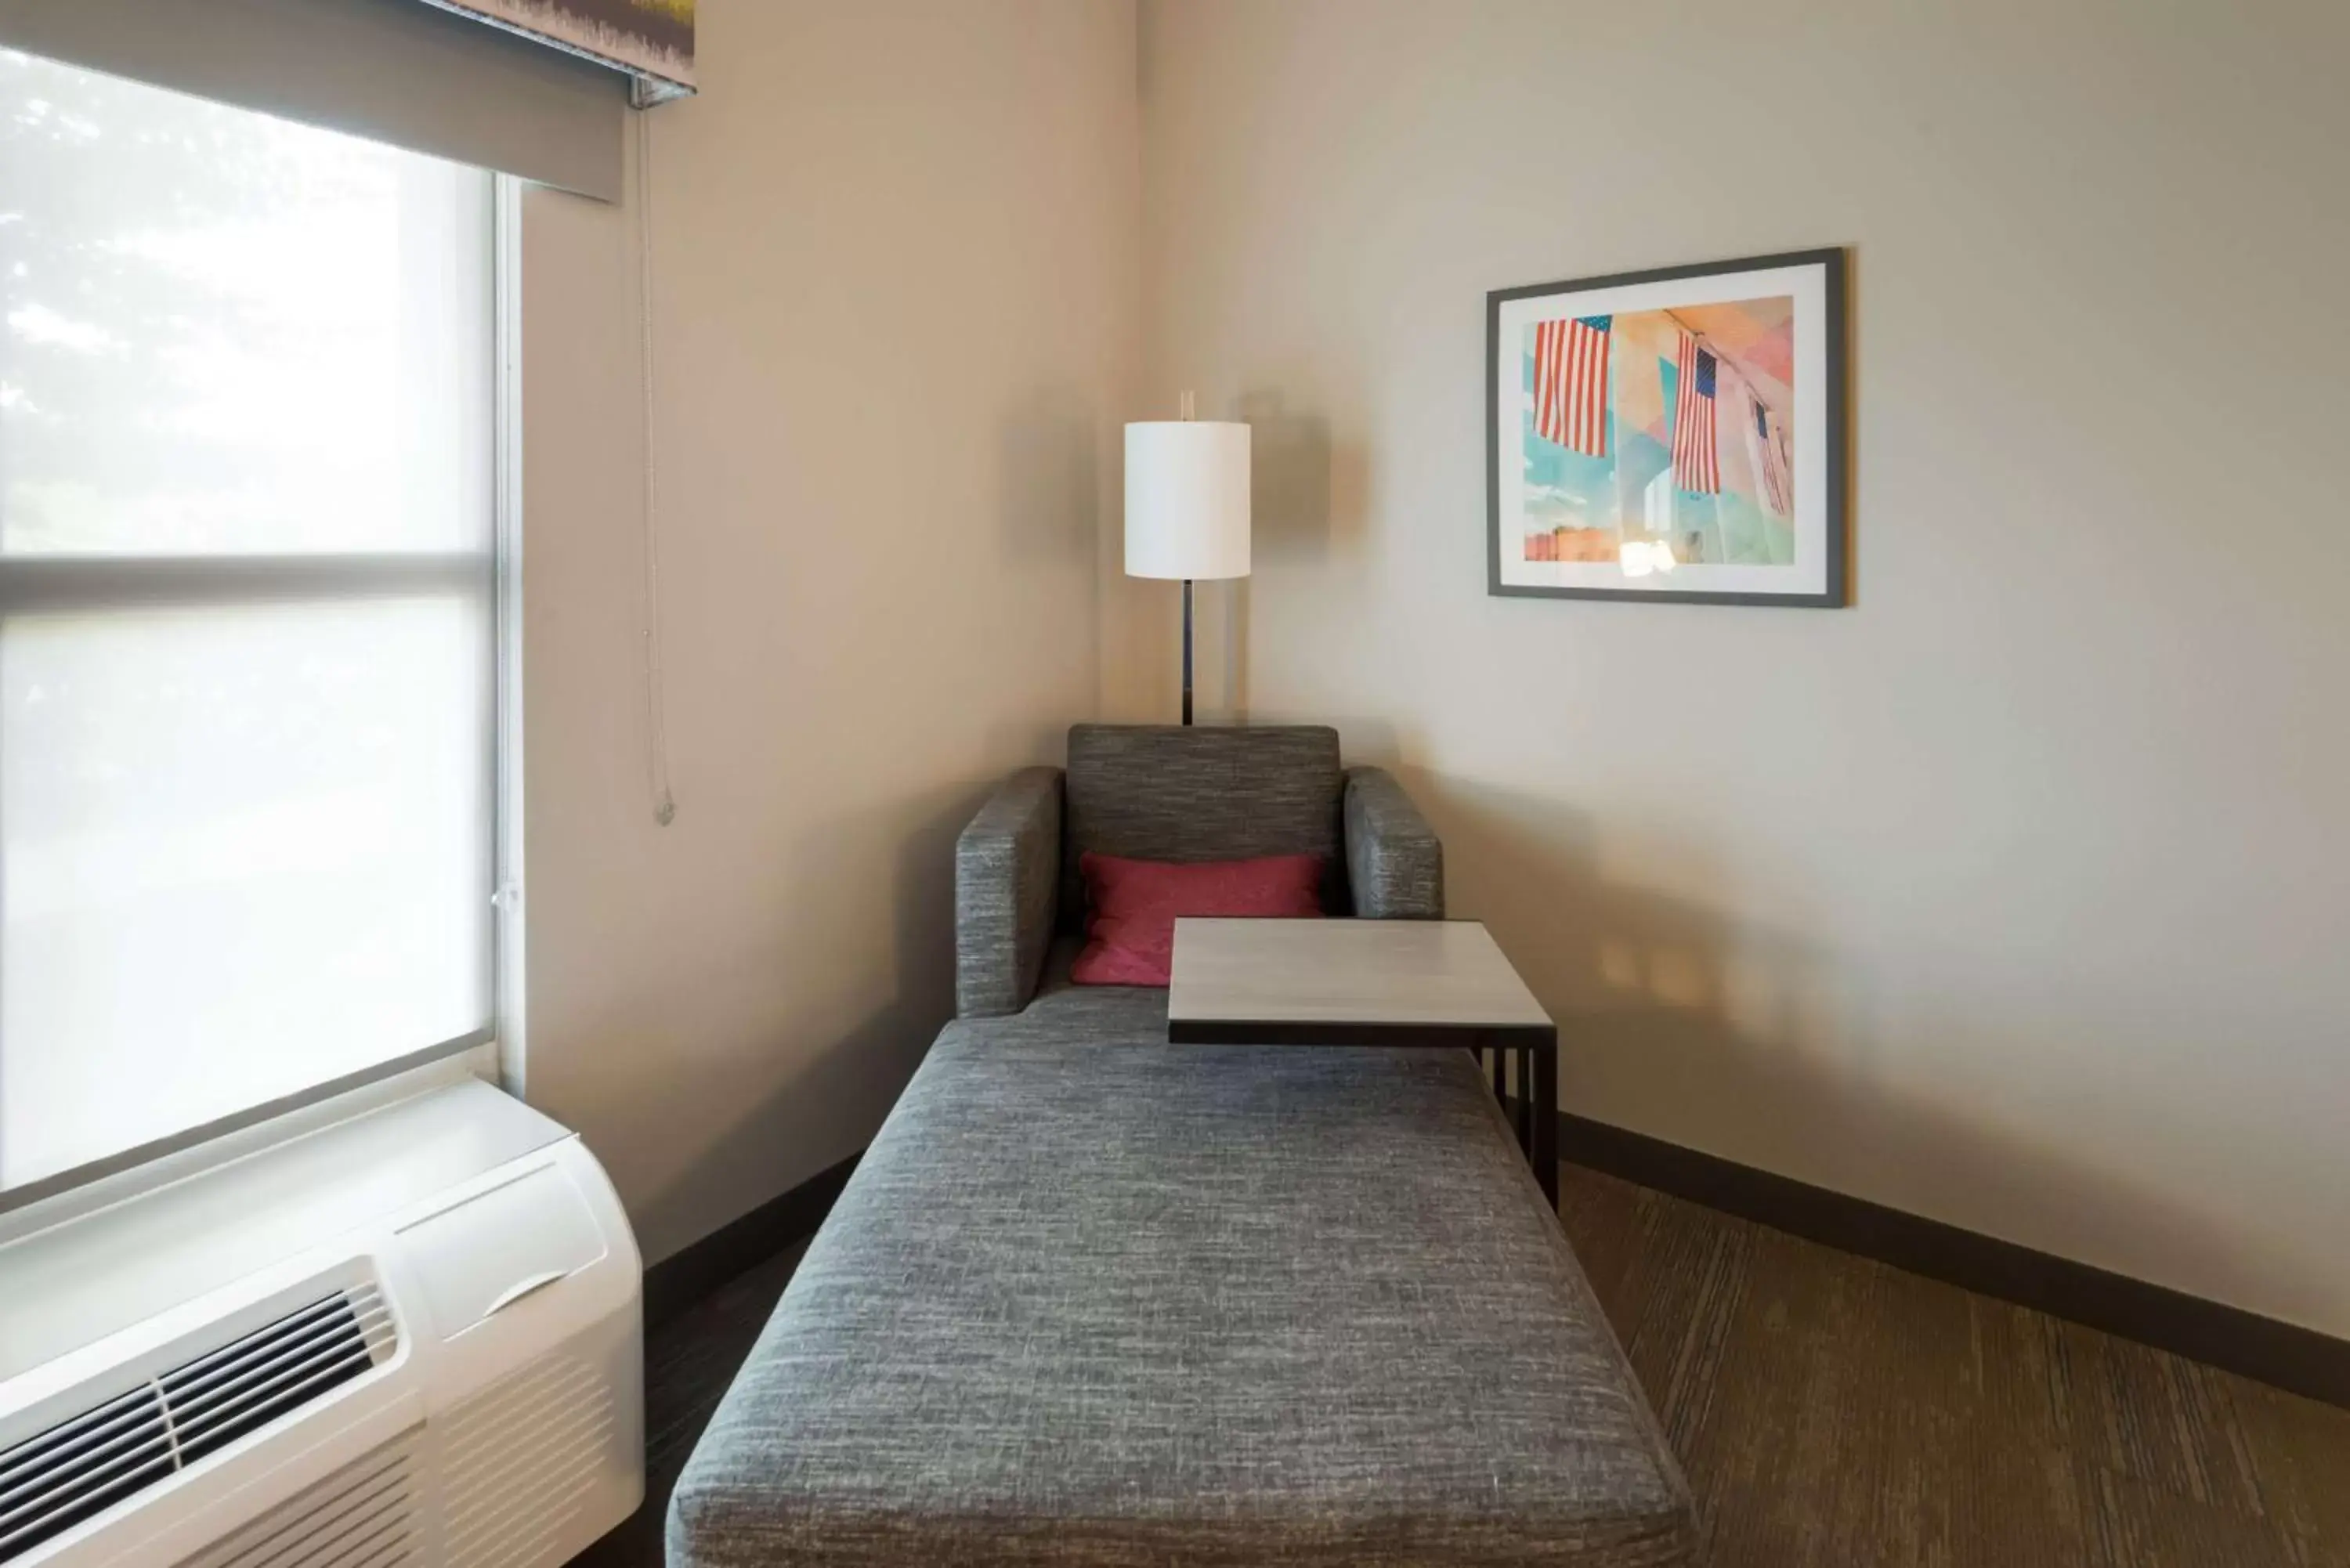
(410, 1336)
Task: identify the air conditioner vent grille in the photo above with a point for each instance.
(86, 1464)
(56, 1479)
(523, 1458)
(218, 1398)
(364, 1515)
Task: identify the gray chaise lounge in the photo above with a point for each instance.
(1095, 1299)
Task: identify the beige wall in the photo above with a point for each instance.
(898, 322)
(2015, 896)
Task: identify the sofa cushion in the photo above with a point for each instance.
(1184, 1305)
(1171, 792)
(1134, 905)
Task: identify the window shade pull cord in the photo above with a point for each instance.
(656, 706)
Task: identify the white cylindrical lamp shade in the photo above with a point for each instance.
(1187, 499)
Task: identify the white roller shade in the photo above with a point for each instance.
(397, 71)
(248, 635)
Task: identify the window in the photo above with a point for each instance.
(248, 646)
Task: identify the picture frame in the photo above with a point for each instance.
(1676, 435)
(652, 40)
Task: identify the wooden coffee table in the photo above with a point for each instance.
(1425, 983)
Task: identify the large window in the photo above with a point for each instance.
(247, 608)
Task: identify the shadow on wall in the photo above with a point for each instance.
(1305, 502)
(1045, 477)
(1306, 496)
(853, 1067)
(1234, 608)
(1749, 1043)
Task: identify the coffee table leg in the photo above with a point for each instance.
(1525, 1070)
(1546, 1103)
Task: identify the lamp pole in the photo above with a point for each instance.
(1188, 417)
(1187, 650)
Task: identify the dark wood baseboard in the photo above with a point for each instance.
(683, 1278)
(2285, 1355)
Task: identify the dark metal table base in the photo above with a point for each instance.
(1534, 1119)
(1533, 1066)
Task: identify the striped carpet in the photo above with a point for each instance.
(1830, 1412)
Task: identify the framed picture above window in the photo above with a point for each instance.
(1676, 434)
(652, 40)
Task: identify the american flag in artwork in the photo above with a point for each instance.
(1697, 465)
(1571, 382)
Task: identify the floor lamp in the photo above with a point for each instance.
(1187, 507)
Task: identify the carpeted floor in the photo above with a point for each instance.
(1832, 1410)
(1829, 1411)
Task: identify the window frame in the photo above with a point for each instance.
(50, 584)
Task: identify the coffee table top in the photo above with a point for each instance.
(1343, 982)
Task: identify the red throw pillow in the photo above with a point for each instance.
(1131, 933)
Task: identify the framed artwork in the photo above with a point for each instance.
(1676, 434)
(652, 40)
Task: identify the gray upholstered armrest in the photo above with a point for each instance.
(1007, 886)
(1394, 862)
